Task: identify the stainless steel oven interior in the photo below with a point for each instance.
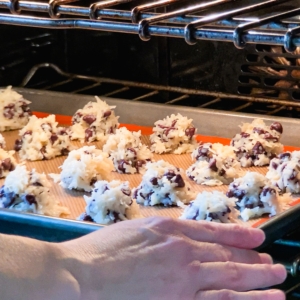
(241, 56)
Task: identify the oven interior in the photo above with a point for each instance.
(262, 78)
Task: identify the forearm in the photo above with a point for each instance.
(31, 269)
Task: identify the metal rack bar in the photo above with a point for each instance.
(155, 87)
(116, 14)
(253, 37)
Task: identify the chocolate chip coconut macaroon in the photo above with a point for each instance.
(162, 184)
(42, 139)
(174, 134)
(257, 143)
(14, 110)
(94, 122)
(108, 202)
(28, 191)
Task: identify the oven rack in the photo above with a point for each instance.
(39, 77)
(221, 20)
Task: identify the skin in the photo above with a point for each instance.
(154, 258)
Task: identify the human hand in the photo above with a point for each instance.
(162, 258)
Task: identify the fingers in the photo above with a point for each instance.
(232, 295)
(227, 234)
(212, 252)
(238, 277)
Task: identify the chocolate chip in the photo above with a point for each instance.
(18, 145)
(222, 172)
(244, 135)
(62, 131)
(88, 134)
(170, 174)
(36, 184)
(258, 149)
(135, 193)
(126, 192)
(258, 130)
(30, 199)
(277, 127)
(28, 132)
(139, 163)
(89, 119)
(107, 114)
(284, 155)
(269, 136)
(179, 180)
(230, 194)
(189, 132)
(154, 181)
(93, 181)
(274, 165)
(213, 165)
(53, 138)
(64, 151)
(87, 218)
(7, 165)
(46, 127)
(76, 118)
(268, 190)
(132, 150)
(43, 151)
(121, 165)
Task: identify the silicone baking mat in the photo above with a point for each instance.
(74, 200)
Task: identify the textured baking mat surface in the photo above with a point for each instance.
(75, 202)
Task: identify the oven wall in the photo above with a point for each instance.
(208, 65)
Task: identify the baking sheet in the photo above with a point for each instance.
(74, 199)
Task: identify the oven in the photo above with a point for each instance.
(234, 56)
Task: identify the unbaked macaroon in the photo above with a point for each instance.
(94, 122)
(42, 139)
(284, 172)
(215, 164)
(14, 110)
(162, 184)
(7, 162)
(108, 202)
(83, 167)
(256, 196)
(257, 143)
(127, 152)
(28, 191)
(211, 206)
(174, 134)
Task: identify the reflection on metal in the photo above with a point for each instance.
(229, 25)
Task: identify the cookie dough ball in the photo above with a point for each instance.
(83, 167)
(14, 110)
(162, 184)
(216, 165)
(256, 196)
(28, 191)
(211, 206)
(284, 172)
(108, 202)
(174, 134)
(42, 139)
(257, 143)
(7, 162)
(127, 152)
(94, 122)
(2, 142)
